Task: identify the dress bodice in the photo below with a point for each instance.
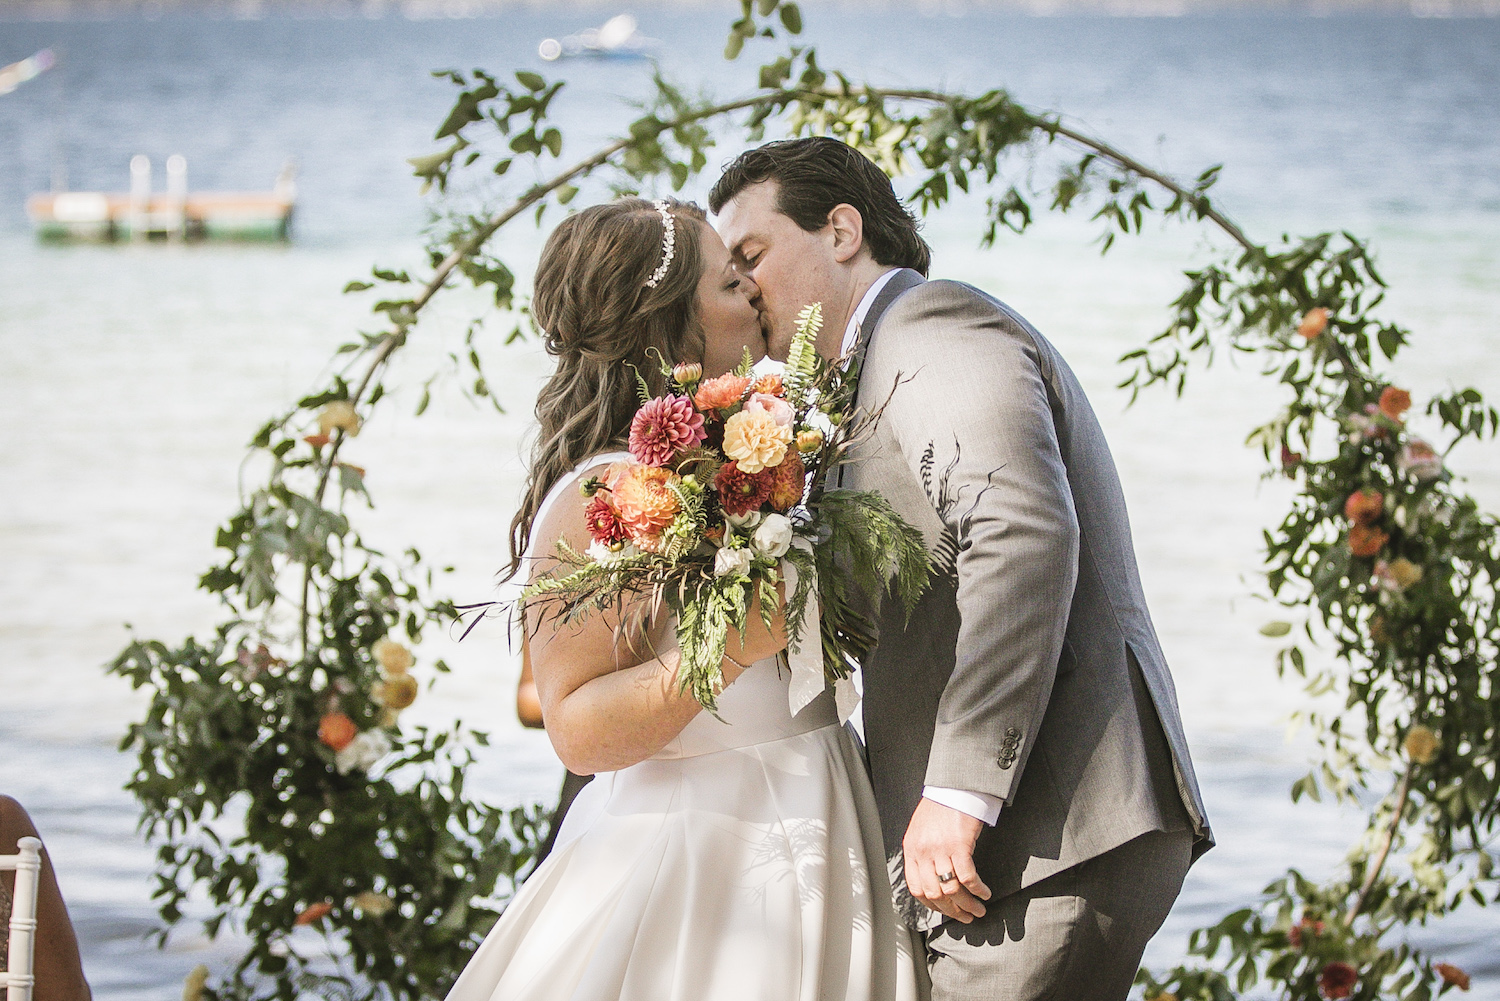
(752, 710)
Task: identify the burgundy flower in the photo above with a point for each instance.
(741, 492)
(604, 521)
(663, 427)
(1290, 460)
(1337, 980)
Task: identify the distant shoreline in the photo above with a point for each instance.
(67, 10)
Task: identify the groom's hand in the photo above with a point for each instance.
(940, 840)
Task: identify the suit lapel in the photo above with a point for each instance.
(902, 281)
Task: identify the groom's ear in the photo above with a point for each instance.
(848, 232)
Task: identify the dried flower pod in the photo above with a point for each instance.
(396, 692)
(392, 657)
(341, 415)
(1421, 745)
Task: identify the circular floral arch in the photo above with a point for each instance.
(289, 713)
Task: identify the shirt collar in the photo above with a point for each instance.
(851, 332)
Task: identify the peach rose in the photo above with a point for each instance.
(722, 392)
(645, 501)
(764, 403)
(755, 441)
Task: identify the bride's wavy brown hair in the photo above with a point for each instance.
(601, 323)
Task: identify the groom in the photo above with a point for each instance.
(1033, 781)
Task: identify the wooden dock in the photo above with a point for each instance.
(177, 214)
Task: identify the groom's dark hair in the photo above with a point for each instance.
(813, 175)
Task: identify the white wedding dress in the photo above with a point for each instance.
(741, 863)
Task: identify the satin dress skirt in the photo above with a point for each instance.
(742, 863)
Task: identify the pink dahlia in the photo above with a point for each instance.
(663, 427)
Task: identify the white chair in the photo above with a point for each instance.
(27, 863)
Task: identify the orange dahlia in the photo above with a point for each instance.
(769, 384)
(787, 482)
(645, 501)
(721, 393)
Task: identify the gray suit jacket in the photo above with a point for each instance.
(1031, 670)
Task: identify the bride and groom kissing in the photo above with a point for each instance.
(1023, 810)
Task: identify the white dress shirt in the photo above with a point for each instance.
(979, 805)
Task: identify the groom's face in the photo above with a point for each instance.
(789, 265)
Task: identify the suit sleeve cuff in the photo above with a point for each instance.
(979, 805)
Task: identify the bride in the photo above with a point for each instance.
(710, 859)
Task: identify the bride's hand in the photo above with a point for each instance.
(757, 642)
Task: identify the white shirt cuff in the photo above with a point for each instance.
(979, 805)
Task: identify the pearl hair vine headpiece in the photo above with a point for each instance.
(668, 243)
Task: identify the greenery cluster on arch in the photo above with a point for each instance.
(279, 784)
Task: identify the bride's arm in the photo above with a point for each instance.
(609, 696)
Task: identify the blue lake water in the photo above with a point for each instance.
(130, 377)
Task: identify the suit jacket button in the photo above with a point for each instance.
(1011, 731)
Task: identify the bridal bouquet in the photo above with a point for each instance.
(726, 497)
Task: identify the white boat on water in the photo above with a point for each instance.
(616, 38)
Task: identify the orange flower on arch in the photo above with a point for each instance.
(1394, 402)
(1364, 507)
(314, 912)
(1366, 540)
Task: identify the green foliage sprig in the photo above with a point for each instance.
(248, 803)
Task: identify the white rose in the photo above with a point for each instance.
(368, 747)
(732, 561)
(774, 536)
(747, 520)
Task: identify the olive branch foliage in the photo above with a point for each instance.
(251, 814)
